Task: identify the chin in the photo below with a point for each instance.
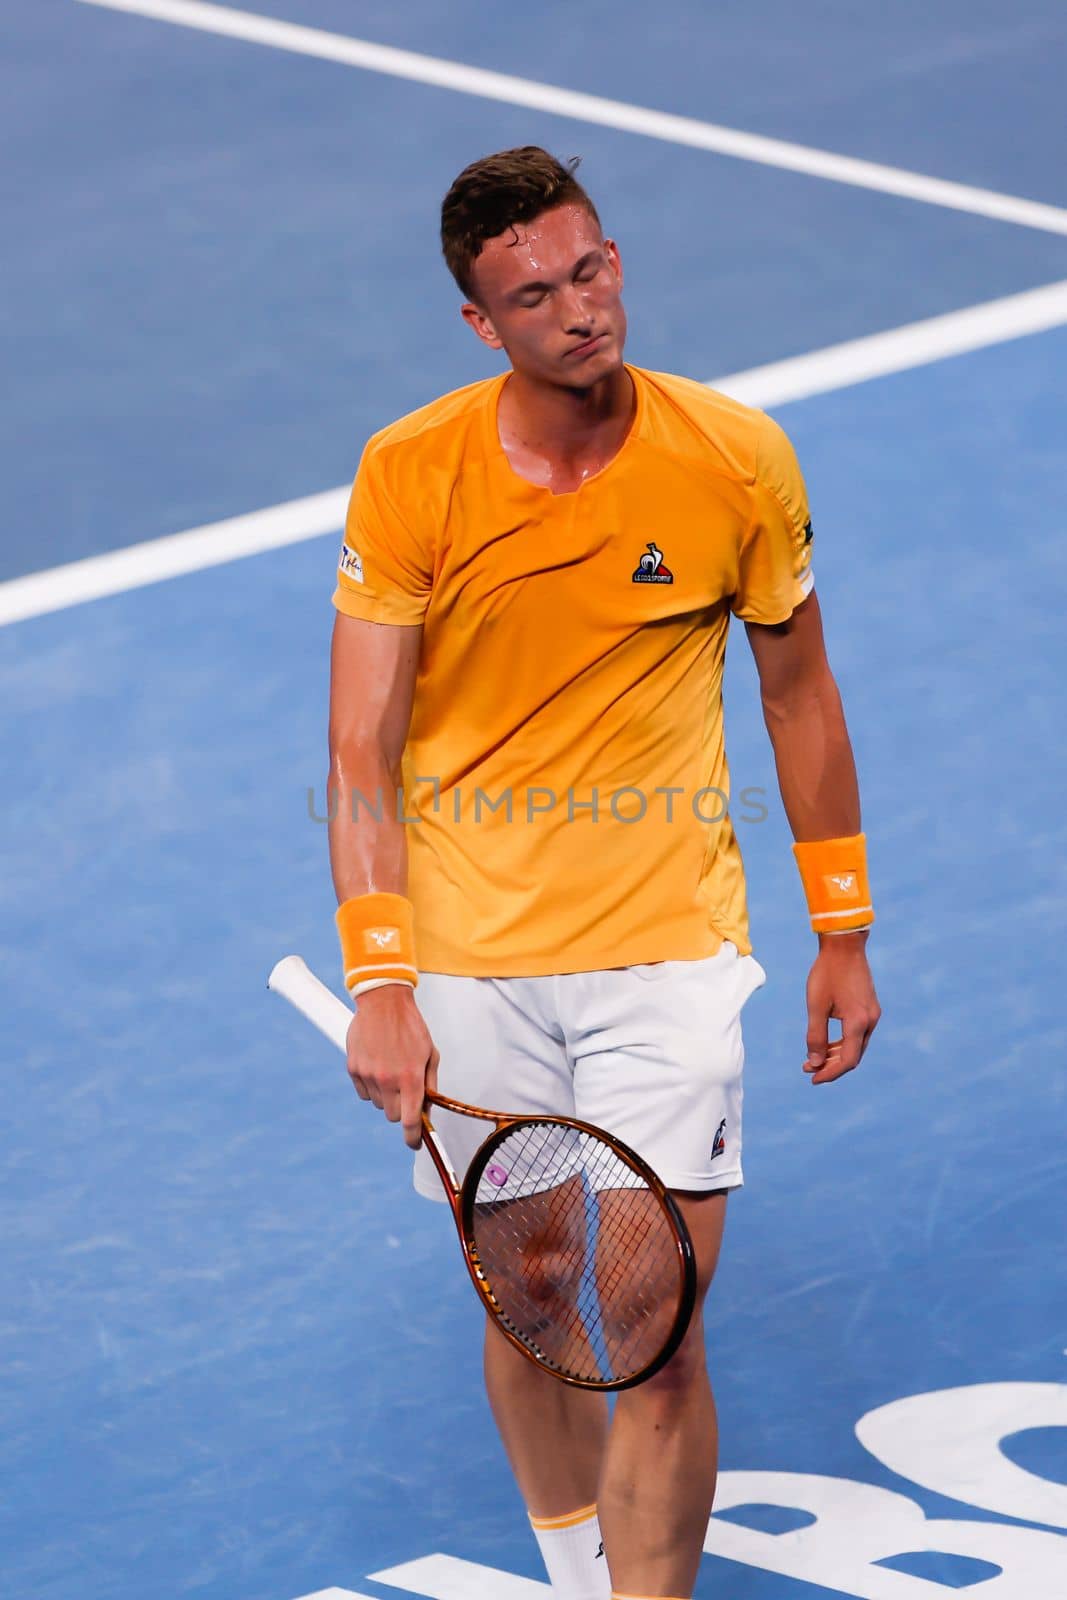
(580, 374)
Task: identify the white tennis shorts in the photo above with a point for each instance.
(651, 1054)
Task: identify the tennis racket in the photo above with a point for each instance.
(577, 1251)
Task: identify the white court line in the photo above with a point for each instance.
(449, 1578)
(172, 556)
(917, 344)
(500, 86)
(837, 367)
(335, 1594)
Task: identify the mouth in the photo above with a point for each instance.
(588, 347)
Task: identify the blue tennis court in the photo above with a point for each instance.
(240, 1359)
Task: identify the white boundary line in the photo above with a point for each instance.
(172, 556)
(335, 1594)
(916, 344)
(300, 40)
(450, 1578)
(837, 367)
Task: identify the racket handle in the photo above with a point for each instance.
(294, 980)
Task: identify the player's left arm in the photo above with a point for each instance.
(817, 778)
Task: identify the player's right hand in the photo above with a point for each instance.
(391, 1057)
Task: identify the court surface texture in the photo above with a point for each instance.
(240, 1359)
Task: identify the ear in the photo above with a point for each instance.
(612, 251)
(477, 319)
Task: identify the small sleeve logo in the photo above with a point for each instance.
(351, 563)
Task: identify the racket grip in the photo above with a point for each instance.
(294, 980)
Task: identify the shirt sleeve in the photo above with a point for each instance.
(774, 564)
(385, 569)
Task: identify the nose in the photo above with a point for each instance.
(574, 311)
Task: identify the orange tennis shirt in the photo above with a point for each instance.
(565, 780)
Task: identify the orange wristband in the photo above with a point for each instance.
(834, 875)
(377, 938)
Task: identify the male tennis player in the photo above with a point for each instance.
(527, 789)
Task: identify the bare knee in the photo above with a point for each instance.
(551, 1278)
(671, 1388)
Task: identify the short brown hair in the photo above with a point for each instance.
(498, 191)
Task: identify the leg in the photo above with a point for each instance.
(658, 1478)
(501, 1045)
(658, 1062)
(553, 1435)
(554, 1438)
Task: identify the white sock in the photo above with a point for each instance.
(573, 1553)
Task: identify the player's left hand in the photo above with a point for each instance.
(840, 986)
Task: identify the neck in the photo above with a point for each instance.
(563, 421)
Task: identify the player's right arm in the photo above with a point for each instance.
(391, 1057)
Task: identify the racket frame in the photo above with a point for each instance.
(464, 1201)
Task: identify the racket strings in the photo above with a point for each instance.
(580, 1255)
